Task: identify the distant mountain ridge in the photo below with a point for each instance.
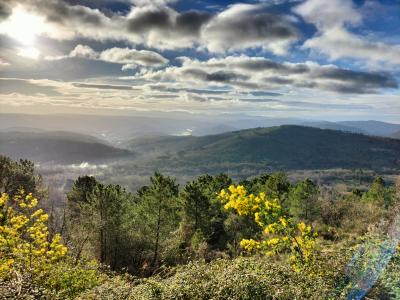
(117, 129)
(396, 135)
(58, 147)
(284, 147)
(373, 127)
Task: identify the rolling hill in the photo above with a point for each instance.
(373, 127)
(396, 135)
(284, 147)
(333, 126)
(57, 147)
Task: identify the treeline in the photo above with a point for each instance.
(164, 225)
(175, 235)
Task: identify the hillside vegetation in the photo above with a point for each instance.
(212, 238)
(284, 147)
(396, 135)
(57, 147)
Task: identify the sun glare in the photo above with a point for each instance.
(23, 26)
(29, 52)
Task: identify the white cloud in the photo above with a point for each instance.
(29, 52)
(84, 51)
(129, 58)
(338, 43)
(243, 26)
(325, 14)
(3, 63)
(95, 96)
(258, 73)
(333, 39)
(154, 24)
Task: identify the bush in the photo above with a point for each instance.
(242, 278)
(33, 265)
(67, 281)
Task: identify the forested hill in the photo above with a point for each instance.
(57, 147)
(283, 147)
(396, 135)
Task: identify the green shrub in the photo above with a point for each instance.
(244, 278)
(68, 281)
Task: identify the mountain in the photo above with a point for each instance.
(57, 147)
(216, 129)
(116, 129)
(396, 135)
(284, 147)
(374, 127)
(333, 126)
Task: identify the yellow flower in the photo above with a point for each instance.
(269, 214)
(249, 245)
(24, 239)
(301, 226)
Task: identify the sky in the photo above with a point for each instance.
(311, 59)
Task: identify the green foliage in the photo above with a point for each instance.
(202, 211)
(275, 186)
(303, 200)
(282, 148)
(155, 216)
(95, 218)
(379, 194)
(280, 232)
(58, 146)
(34, 265)
(17, 175)
(243, 278)
(390, 279)
(173, 240)
(68, 280)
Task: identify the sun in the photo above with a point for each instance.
(24, 27)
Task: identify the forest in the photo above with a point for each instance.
(266, 237)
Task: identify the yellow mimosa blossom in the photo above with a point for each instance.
(24, 239)
(249, 245)
(280, 232)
